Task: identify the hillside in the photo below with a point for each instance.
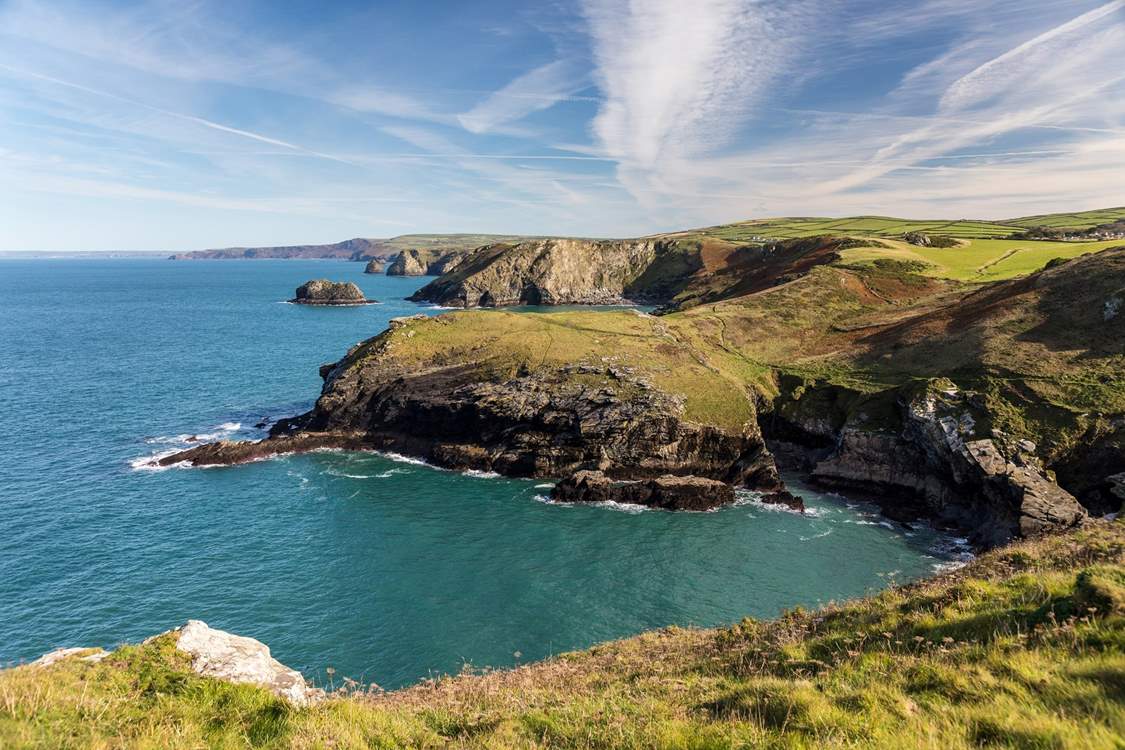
(1023, 648)
(354, 249)
(681, 269)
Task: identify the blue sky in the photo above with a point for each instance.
(181, 125)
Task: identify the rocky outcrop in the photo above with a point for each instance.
(238, 659)
(545, 272)
(923, 452)
(77, 652)
(425, 262)
(329, 293)
(374, 267)
(921, 239)
(673, 272)
(667, 492)
(543, 422)
(218, 654)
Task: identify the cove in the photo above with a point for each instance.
(385, 570)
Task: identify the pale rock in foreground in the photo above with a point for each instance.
(236, 658)
(53, 657)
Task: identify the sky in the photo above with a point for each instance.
(187, 124)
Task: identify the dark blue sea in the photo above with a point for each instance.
(384, 569)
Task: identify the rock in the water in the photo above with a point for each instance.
(235, 658)
(374, 266)
(668, 492)
(325, 292)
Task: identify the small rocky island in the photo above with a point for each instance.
(330, 294)
(374, 266)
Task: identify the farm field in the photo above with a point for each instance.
(980, 259)
(886, 226)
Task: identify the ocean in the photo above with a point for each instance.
(379, 567)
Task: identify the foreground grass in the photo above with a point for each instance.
(1024, 648)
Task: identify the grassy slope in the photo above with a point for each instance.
(1024, 648)
(869, 324)
(985, 253)
(502, 342)
(980, 259)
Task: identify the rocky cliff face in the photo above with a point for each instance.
(425, 262)
(546, 272)
(374, 267)
(674, 272)
(520, 418)
(924, 452)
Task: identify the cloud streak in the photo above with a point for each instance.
(536, 90)
(678, 78)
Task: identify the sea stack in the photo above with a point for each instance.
(374, 266)
(330, 293)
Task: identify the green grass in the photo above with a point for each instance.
(502, 343)
(981, 259)
(1024, 648)
(1080, 220)
(874, 226)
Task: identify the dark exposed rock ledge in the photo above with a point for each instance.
(669, 492)
(922, 451)
(544, 424)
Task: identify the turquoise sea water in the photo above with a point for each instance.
(386, 570)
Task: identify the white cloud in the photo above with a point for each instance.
(534, 91)
(1060, 48)
(679, 78)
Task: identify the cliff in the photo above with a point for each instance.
(1021, 649)
(530, 395)
(426, 262)
(546, 272)
(374, 267)
(676, 273)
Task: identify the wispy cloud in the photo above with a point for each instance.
(622, 116)
(1058, 50)
(533, 91)
(679, 78)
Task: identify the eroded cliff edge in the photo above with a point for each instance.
(997, 408)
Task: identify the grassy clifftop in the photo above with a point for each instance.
(1023, 648)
